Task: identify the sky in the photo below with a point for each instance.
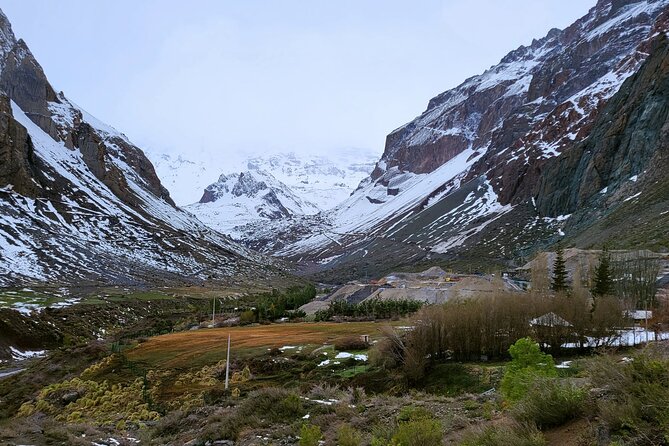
(213, 79)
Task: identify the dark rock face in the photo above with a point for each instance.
(538, 100)
(96, 153)
(24, 82)
(17, 158)
(628, 134)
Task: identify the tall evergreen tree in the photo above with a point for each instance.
(559, 282)
(603, 279)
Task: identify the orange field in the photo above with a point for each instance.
(196, 348)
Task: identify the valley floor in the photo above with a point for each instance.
(159, 378)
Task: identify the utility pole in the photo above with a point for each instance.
(227, 364)
(213, 311)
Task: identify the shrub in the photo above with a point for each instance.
(636, 396)
(413, 413)
(348, 436)
(310, 435)
(527, 364)
(247, 317)
(273, 404)
(517, 435)
(422, 432)
(225, 426)
(325, 391)
(550, 402)
(350, 343)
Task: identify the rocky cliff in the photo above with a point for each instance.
(514, 159)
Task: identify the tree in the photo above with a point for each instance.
(636, 277)
(528, 363)
(559, 282)
(603, 280)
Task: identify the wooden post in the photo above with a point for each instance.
(213, 311)
(227, 364)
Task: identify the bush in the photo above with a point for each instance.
(550, 402)
(310, 435)
(527, 364)
(247, 317)
(413, 413)
(225, 427)
(273, 404)
(634, 406)
(348, 436)
(422, 432)
(350, 343)
(517, 435)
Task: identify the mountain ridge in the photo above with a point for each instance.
(451, 180)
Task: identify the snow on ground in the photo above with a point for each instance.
(359, 215)
(628, 337)
(19, 355)
(346, 355)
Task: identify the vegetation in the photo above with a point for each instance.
(559, 281)
(369, 309)
(486, 327)
(528, 363)
(288, 382)
(636, 396)
(310, 435)
(517, 435)
(603, 285)
(275, 304)
(549, 402)
(635, 276)
(348, 436)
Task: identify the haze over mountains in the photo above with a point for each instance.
(563, 141)
(79, 203)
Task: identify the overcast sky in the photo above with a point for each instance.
(231, 77)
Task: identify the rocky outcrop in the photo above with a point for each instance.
(24, 81)
(627, 136)
(17, 158)
(537, 101)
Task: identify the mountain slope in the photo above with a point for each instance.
(323, 180)
(468, 178)
(245, 203)
(183, 177)
(79, 203)
(238, 199)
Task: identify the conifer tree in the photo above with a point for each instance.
(559, 282)
(603, 281)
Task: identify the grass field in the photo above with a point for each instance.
(195, 348)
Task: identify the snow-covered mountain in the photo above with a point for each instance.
(266, 188)
(322, 180)
(185, 178)
(552, 142)
(238, 199)
(79, 203)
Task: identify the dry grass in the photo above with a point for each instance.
(191, 348)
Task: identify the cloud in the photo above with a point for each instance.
(217, 80)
